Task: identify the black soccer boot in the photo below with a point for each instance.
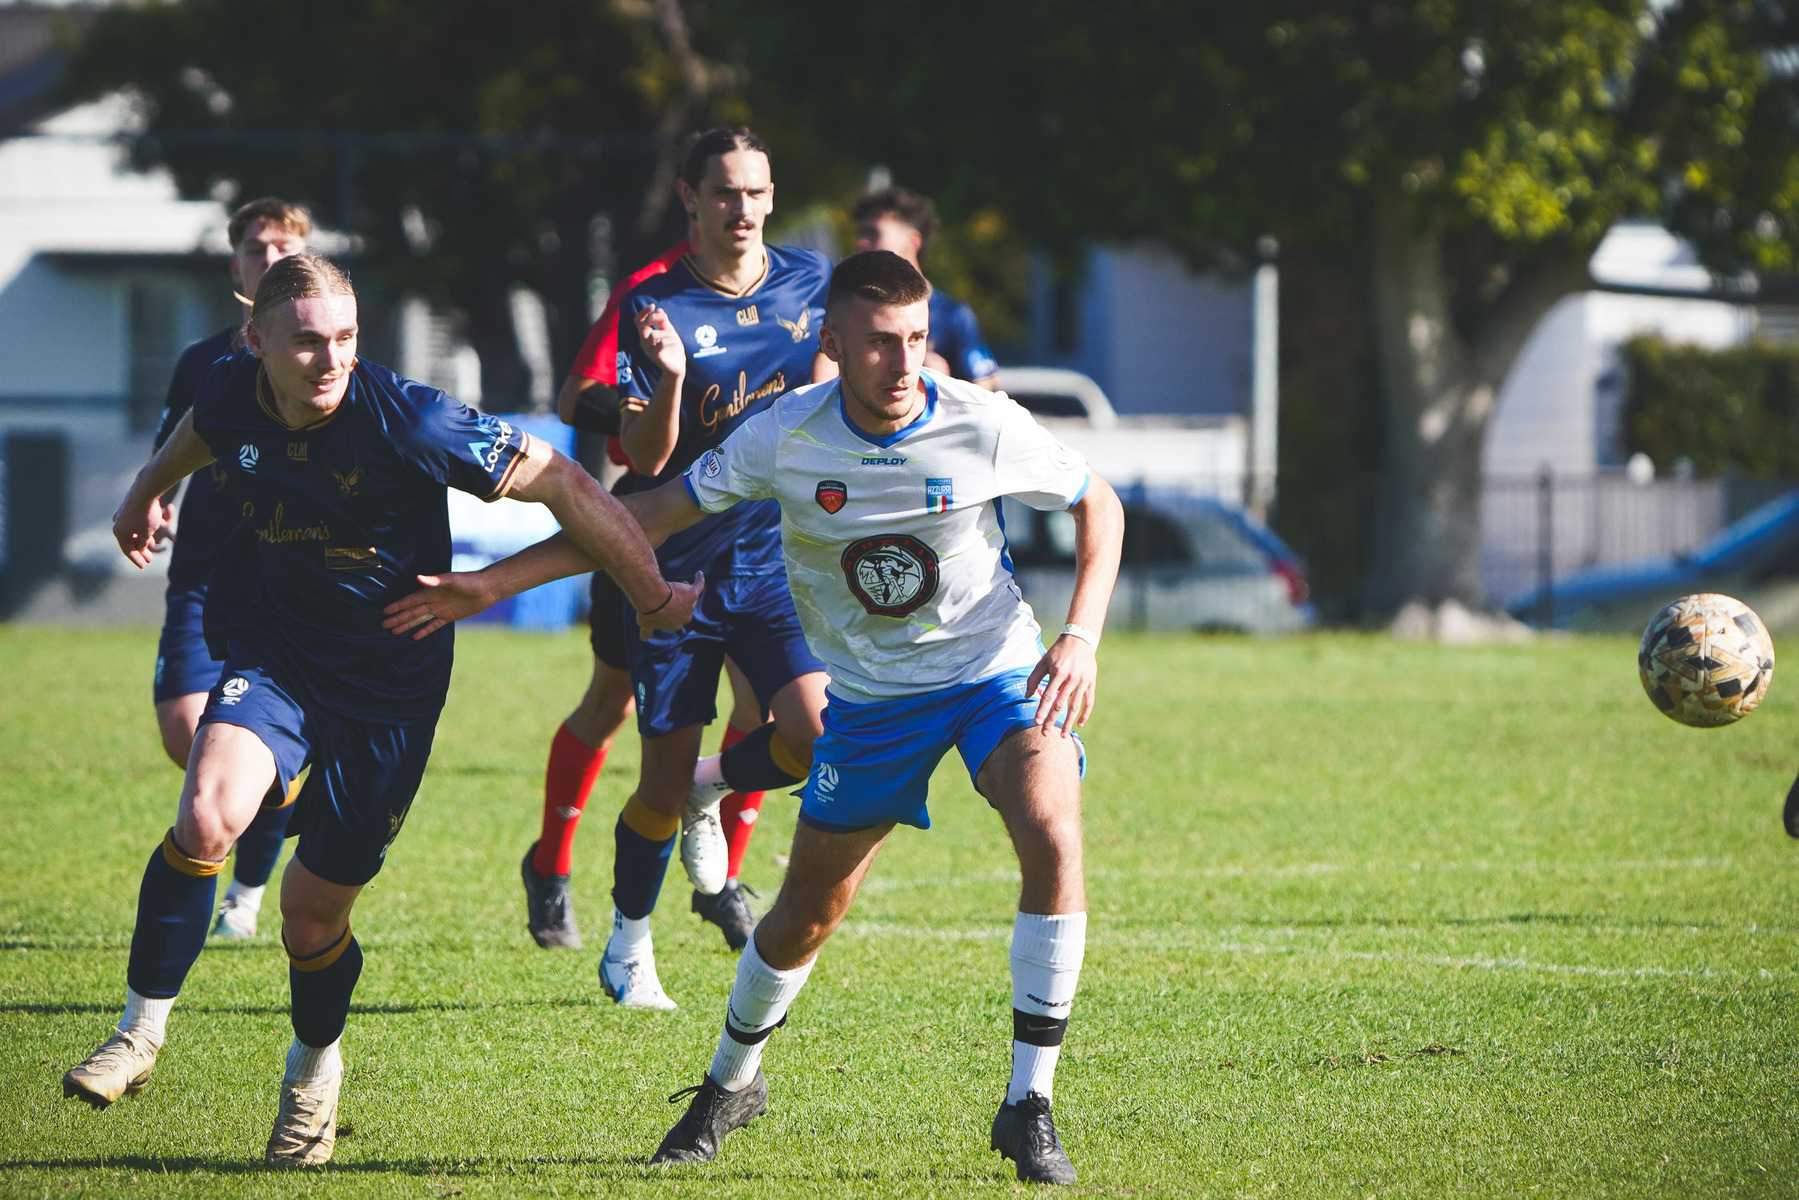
(1024, 1133)
(728, 910)
(711, 1114)
(548, 913)
(1791, 815)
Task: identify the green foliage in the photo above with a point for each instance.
(1416, 922)
(1726, 410)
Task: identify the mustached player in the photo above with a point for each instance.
(889, 484)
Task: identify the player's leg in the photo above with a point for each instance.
(823, 875)
(676, 677)
(729, 908)
(229, 770)
(177, 718)
(1035, 784)
(873, 770)
(577, 752)
(763, 635)
(258, 848)
(352, 807)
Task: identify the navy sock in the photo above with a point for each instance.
(174, 908)
(260, 845)
(321, 987)
(638, 865)
(749, 766)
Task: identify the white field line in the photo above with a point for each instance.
(1009, 874)
(1101, 939)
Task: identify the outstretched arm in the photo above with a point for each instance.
(143, 519)
(660, 604)
(1069, 671)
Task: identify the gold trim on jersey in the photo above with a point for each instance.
(691, 262)
(505, 485)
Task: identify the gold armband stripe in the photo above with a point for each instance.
(323, 958)
(647, 823)
(175, 856)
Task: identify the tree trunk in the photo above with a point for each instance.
(1439, 382)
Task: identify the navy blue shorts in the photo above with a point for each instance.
(364, 775)
(874, 762)
(749, 617)
(606, 617)
(183, 664)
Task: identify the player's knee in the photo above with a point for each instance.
(799, 735)
(203, 832)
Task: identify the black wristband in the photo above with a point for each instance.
(671, 595)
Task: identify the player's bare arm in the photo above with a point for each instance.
(649, 436)
(1069, 671)
(142, 520)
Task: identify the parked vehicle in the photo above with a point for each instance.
(1190, 563)
(1756, 559)
(1197, 454)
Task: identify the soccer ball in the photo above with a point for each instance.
(1706, 660)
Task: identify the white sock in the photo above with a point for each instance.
(759, 1001)
(250, 896)
(309, 1064)
(630, 937)
(709, 778)
(145, 1017)
(1046, 966)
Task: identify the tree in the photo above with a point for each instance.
(516, 125)
(1468, 153)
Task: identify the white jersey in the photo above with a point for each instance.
(895, 549)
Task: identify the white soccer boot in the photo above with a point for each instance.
(237, 913)
(119, 1067)
(632, 981)
(705, 854)
(306, 1126)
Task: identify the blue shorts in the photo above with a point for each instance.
(874, 763)
(364, 775)
(183, 664)
(749, 617)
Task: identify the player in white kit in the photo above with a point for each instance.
(889, 482)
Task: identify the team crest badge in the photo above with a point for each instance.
(831, 494)
(800, 329)
(892, 574)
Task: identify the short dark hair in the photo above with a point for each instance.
(878, 275)
(712, 143)
(284, 215)
(906, 205)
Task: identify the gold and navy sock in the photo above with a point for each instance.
(174, 908)
(761, 762)
(321, 985)
(643, 839)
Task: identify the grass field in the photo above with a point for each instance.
(1368, 919)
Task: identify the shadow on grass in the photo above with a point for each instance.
(613, 1166)
(111, 1008)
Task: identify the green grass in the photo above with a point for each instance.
(1368, 919)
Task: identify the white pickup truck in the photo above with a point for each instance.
(1193, 559)
(1205, 456)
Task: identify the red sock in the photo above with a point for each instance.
(567, 782)
(738, 811)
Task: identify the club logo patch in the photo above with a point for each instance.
(233, 691)
(711, 464)
(831, 494)
(892, 574)
(706, 338)
(247, 456)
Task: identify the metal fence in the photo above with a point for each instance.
(1535, 527)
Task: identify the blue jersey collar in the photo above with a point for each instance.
(886, 440)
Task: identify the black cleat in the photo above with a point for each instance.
(1791, 815)
(727, 909)
(711, 1114)
(548, 913)
(1024, 1133)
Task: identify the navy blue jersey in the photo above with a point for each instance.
(742, 353)
(338, 519)
(207, 513)
(956, 335)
